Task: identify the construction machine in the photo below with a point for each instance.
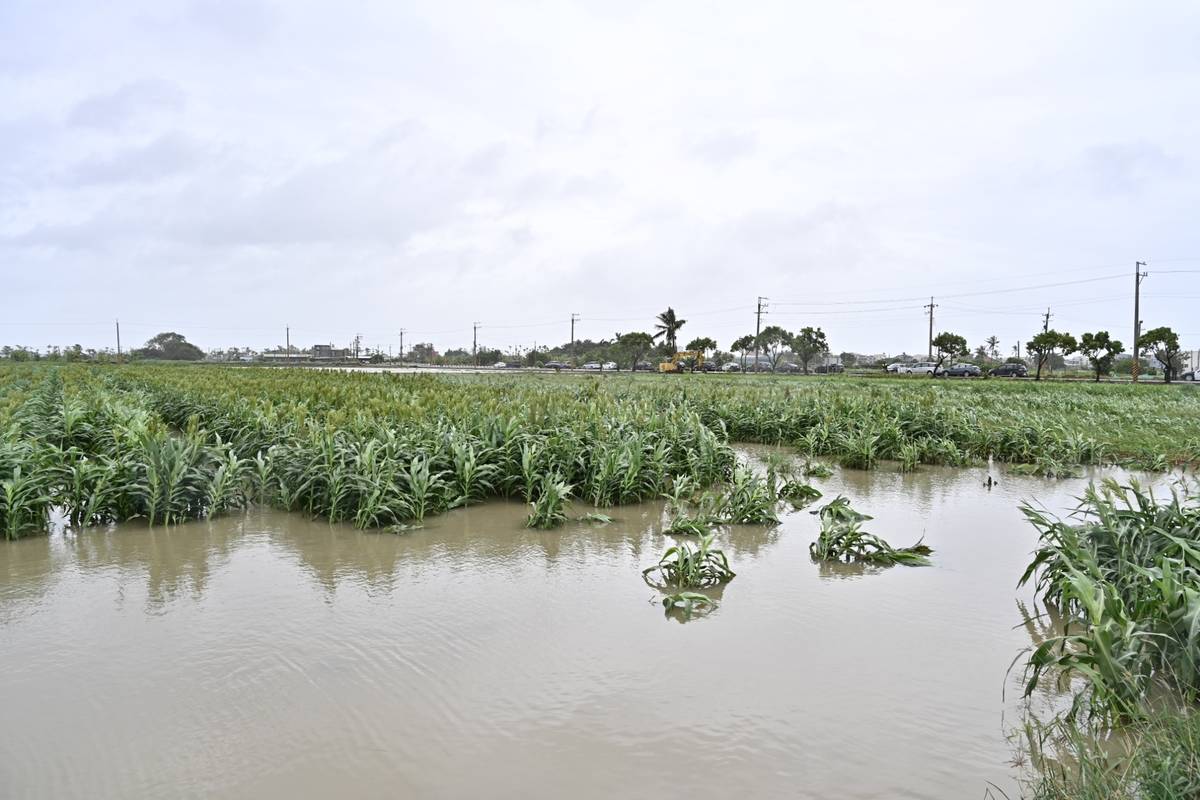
(676, 364)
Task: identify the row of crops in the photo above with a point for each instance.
(168, 443)
(173, 444)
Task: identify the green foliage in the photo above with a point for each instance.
(702, 344)
(667, 327)
(550, 507)
(950, 346)
(807, 344)
(1101, 350)
(1046, 344)
(774, 341)
(843, 539)
(685, 566)
(687, 605)
(1155, 759)
(1126, 571)
(170, 346)
(1164, 344)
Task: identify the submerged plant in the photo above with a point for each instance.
(687, 605)
(843, 539)
(684, 566)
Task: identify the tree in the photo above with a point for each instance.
(993, 346)
(667, 326)
(702, 344)
(774, 341)
(634, 346)
(948, 345)
(848, 359)
(981, 353)
(422, 352)
(1163, 344)
(1042, 346)
(1101, 350)
(743, 346)
(809, 343)
(171, 346)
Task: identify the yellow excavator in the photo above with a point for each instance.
(676, 365)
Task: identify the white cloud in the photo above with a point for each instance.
(431, 164)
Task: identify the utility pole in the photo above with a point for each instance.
(1138, 275)
(287, 338)
(932, 305)
(402, 345)
(1046, 320)
(475, 342)
(758, 328)
(574, 360)
(118, 341)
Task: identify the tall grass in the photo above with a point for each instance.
(1125, 571)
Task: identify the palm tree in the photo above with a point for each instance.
(993, 346)
(667, 326)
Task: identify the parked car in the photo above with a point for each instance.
(612, 365)
(592, 365)
(499, 365)
(897, 367)
(919, 368)
(644, 366)
(1009, 371)
(556, 365)
(1189, 376)
(732, 366)
(962, 371)
(835, 369)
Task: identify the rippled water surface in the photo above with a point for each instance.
(267, 655)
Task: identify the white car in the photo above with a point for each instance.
(591, 365)
(609, 365)
(499, 365)
(920, 368)
(898, 367)
(732, 366)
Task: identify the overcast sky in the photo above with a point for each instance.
(224, 169)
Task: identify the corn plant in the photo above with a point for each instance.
(1125, 569)
(549, 508)
(842, 539)
(684, 566)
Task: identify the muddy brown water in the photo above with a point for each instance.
(267, 655)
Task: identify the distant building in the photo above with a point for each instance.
(327, 352)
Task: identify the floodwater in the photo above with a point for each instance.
(270, 656)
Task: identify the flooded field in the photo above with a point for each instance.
(267, 655)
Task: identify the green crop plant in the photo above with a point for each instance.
(842, 539)
(549, 507)
(687, 605)
(748, 499)
(1125, 569)
(687, 566)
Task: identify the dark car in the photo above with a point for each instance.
(644, 366)
(962, 371)
(834, 369)
(1009, 371)
(556, 365)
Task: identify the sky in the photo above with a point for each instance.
(229, 169)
